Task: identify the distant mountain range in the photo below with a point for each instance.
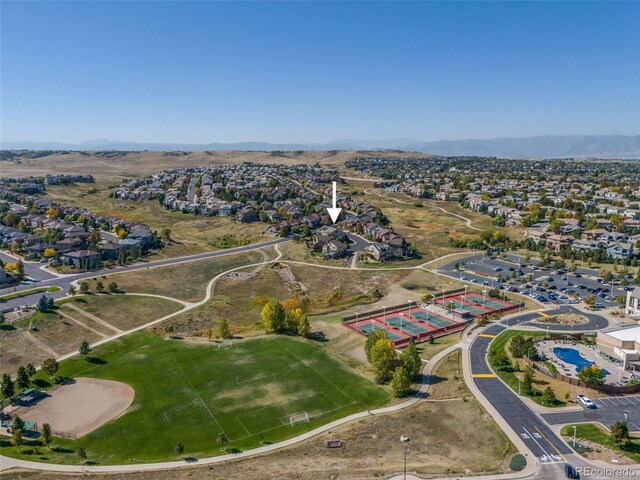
(548, 146)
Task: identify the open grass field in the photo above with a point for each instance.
(121, 311)
(428, 350)
(186, 281)
(371, 450)
(87, 317)
(598, 435)
(447, 380)
(190, 393)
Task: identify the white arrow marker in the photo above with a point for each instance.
(334, 212)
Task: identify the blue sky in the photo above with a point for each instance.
(314, 72)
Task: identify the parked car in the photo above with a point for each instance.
(586, 401)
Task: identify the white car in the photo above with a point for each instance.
(586, 401)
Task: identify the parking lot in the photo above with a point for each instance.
(608, 411)
(546, 285)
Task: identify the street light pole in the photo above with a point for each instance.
(405, 443)
(574, 436)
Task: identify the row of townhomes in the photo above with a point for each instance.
(579, 209)
(292, 200)
(70, 238)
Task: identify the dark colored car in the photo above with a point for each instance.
(571, 472)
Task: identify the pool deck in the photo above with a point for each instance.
(545, 350)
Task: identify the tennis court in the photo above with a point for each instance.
(466, 306)
(488, 302)
(368, 327)
(431, 318)
(406, 325)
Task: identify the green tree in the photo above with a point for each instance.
(84, 349)
(17, 437)
(100, 286)
(180, 448)
(593, 375)
(273, 316)
(50, 366)
(621, 299)
(401, 382)
(383, 360)
(113, 287)
(515, 346)
(372, 338)
(620, 434)
(527, 381)
(410, 360)
(22, 378)
(166, 234)
(222, 439)
(31, 370)
(590, 300)
(82, 453)
(304, 327)
(7, 388)
(548, 396)
(47, 436)
(71, 291)
(43, 304)
(84, 287)
(223, 329)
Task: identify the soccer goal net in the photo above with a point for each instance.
(298, 418)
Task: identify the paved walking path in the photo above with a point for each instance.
(8, 462)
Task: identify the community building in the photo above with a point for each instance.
(621, 345)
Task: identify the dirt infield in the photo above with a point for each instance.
(80, 407)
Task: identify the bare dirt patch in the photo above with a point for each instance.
(80, 407)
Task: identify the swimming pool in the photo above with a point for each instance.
(572, 356)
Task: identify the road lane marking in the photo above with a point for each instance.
(549, 442)
(483, 375)
(531, 437)
(486, 335)
(544, 314)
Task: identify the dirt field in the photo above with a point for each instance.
(80, 407)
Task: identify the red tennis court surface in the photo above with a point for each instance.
(403, 323)
(476, 304)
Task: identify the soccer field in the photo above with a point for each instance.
(190, 393)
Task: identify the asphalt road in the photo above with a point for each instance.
(533, 431)
(608, 411)
(31, 269)
(64, 282)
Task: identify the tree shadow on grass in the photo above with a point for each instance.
(40, 383)
(61, 450)
(318, 337)
(433, 379)
(7, 327)
(96, 360)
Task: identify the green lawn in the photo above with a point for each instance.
(596, 434)
(189, 393)
(31, 291)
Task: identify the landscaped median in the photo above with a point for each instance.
(31, 291)
(595, 434)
